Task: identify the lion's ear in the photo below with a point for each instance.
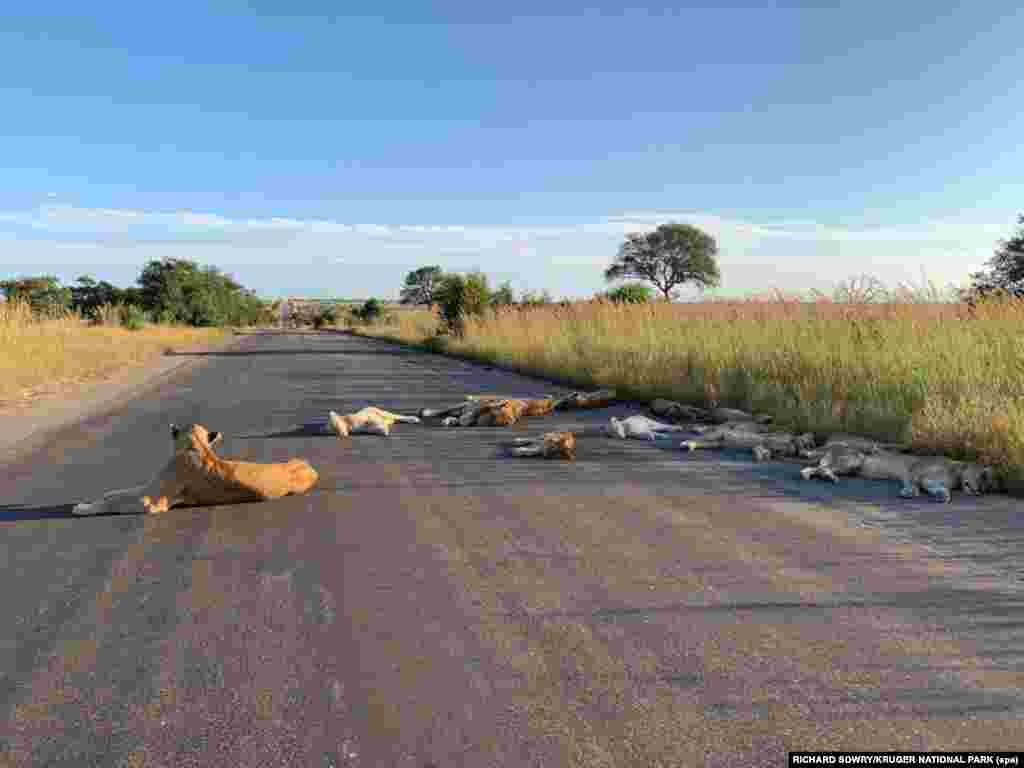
(215, 437)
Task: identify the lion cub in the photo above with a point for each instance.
(935, 475)
(550, 445)
(368, 421)
(196, 476)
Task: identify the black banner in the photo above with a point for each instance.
(907, 758)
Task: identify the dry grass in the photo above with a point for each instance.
(49, 355)
(905, 370)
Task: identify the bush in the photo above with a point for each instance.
(459, 297)
(630, 293)
(327, 316)
(371, 311)
(133, 317)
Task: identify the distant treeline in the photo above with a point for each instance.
(167, 291)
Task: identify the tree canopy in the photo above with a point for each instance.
(421, 285)
(1005, 268)
(671, 255)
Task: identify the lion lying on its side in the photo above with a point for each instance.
(490, 411)
(368, 421)
(498, 411)
(762, 443)
(550, 445)
(196, 476)
(937, 476)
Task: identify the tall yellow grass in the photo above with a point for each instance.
(39, 355)
(926, 373)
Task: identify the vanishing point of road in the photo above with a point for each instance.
(434, 603)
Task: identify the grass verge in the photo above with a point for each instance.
(932, 375)
(40, 357)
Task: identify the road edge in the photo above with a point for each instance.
(25, 430)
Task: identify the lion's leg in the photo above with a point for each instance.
(692, 445)
(454, 410)
(133, 501)
(937, 490)
(658, 426)
(533, 449)
(395, 416)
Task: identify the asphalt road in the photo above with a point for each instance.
(433, 603)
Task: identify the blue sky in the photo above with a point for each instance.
(310, 152)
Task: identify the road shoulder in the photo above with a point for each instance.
(24, 429)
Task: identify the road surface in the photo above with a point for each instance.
(433, 603)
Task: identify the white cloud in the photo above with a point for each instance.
(753, 254)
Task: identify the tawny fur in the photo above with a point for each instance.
(934, 475)
(551, 445)
(196, 476)
(763, 444)
(368, 421)
(601, 398)
(490, 411)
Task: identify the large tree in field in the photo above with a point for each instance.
(421, 285)
(1005, 268)
(671, 255)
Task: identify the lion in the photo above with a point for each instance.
(490, 411)
(678, 412)
(368, 421)
(550, 445)
(937, 476)
(763, 444)
(601, 398)
(196, 476)
(637, 427)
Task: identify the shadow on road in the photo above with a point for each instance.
(317, 429)
(295, 352)
(13, 513)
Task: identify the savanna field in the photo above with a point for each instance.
(53, 354)
(933, 374)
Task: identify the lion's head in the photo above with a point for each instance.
(979, 478)
(193, 437)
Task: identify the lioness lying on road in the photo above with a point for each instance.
(637, 427)
(196, 476)
(680, 413)
(602, 398)
(551, 445)
(368, 421)
(763, 444)
(935, 475)
(490, 411)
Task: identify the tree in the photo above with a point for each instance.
(88, 296)
(630, 293)
(44, 294)
(671, 255)
(503, 296)
(459, 296)
(420, 285)
(1005, 269)
(179, 290)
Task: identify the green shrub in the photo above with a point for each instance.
(133, 317)
(630, 293)
(459, 297)
(328, 316)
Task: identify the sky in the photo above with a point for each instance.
(311, 152)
